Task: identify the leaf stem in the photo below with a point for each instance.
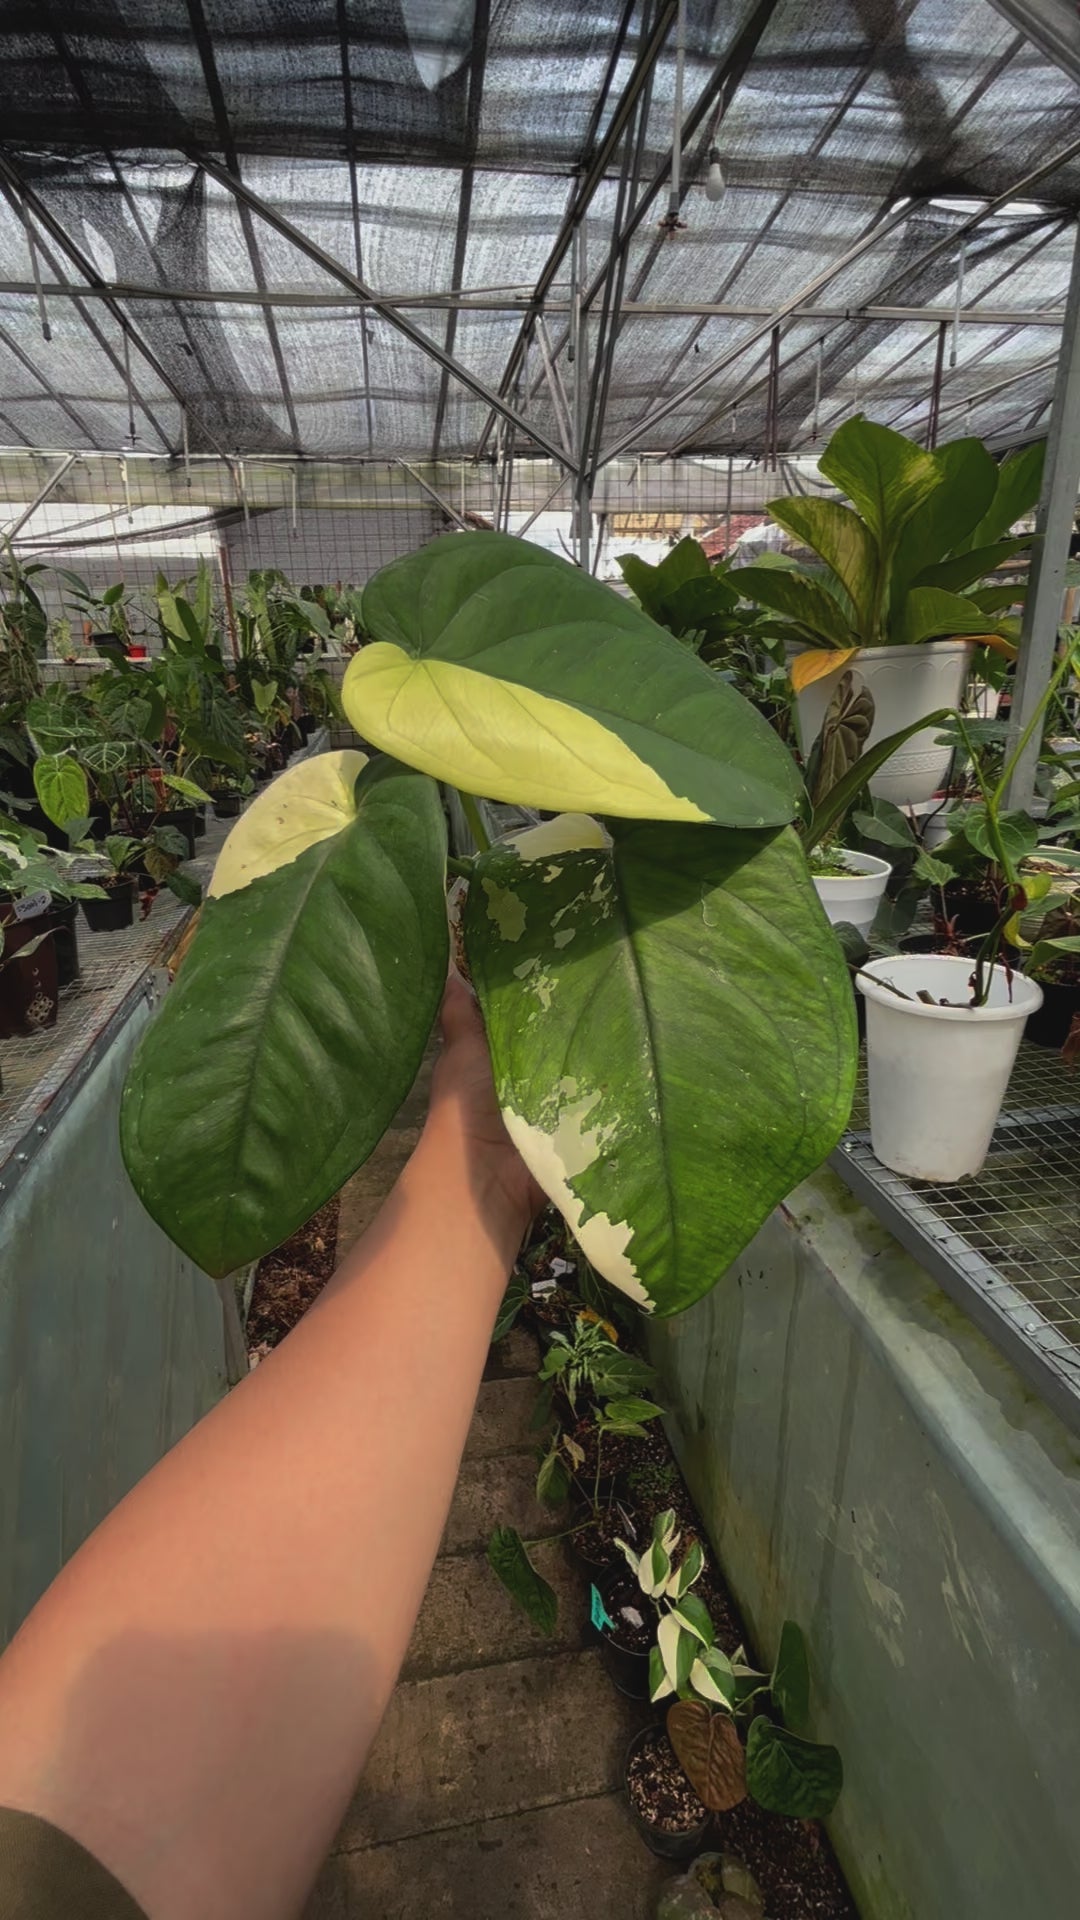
(476, 825)
(463, 868)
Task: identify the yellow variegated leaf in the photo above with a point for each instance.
(305, 804)
(816, 662)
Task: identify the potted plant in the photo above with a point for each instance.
(662, 1105)
(117, 857)
(896, 586)
(1047, 935)
(942, 1031)
(592, 1388)
(33, 876)
(731, 1729)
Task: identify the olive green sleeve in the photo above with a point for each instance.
(45, 1875)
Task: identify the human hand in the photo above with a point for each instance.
(463, 1089)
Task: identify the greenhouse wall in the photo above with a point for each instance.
(871, 1467)
(328, 546)
(111, 1341)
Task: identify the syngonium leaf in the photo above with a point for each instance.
(297, 1021)
(609, 967)
(501, 668)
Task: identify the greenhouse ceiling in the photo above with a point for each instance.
(437, 228)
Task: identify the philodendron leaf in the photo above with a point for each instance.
(790, 1683)
(503, 669)
(507, 1557)
(298, 1018)
(789, 1775)
(673, 1036)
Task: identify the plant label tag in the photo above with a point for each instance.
(33, 904)
(598, 1612)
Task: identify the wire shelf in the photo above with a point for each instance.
(1005, 1245)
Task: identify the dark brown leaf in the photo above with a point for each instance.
(710, 1753)
(844, 733)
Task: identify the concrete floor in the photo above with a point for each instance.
(493, 1790)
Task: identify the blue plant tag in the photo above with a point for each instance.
(599, 1613)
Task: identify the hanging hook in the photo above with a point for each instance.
(819, 360)
(185, 444)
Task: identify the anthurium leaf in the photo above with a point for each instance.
(294, 1029)
(709, 1752)
(787, 1775)
(503, 669)
(553, 1479)
(1018, 832)
(516, 1296)
(189, 789)
(839, 800)
(506, 1555)
(843, 542)
(803, 599)
(60, 785)
(606, 973)
(885, 476)
(790, 1683)
(844, 733)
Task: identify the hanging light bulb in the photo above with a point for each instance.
(715, 184)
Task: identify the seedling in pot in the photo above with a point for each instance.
(730, 1725)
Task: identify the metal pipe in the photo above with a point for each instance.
(39, 499)
(673, 401)
(675, 195)
(338, 271)
(434, 494)
(1053, 532)
(297, 297)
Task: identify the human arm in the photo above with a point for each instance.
(195, 1696)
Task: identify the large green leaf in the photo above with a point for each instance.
(790, 1682)
(508, 1558)
(803, 599)
(843, 542)
(884, 475)
(1017, 492)
(929, 613)
(945, 519)
(965, 569)
(683, 592)
(60, 785)
(295, 1027)
(791, 1776)
(499, 667)
(672, 1032)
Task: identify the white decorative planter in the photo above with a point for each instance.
(938, 1074)
(856, 895)
(906, 682)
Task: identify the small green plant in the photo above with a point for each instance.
(730, 1725)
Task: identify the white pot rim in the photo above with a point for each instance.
(889, 653)
(863, 866)
(1027, 995)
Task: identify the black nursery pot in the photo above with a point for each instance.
(627, 1668)
(118, 910)
(29, 991)
(63, 915)
(227, 805)
(683, 1845)
(1051, 1026)
(198, 821)
(306, 725)
(183, 819)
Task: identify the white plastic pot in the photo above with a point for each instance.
(906, 682)
(854, 896)
(938, 1074)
